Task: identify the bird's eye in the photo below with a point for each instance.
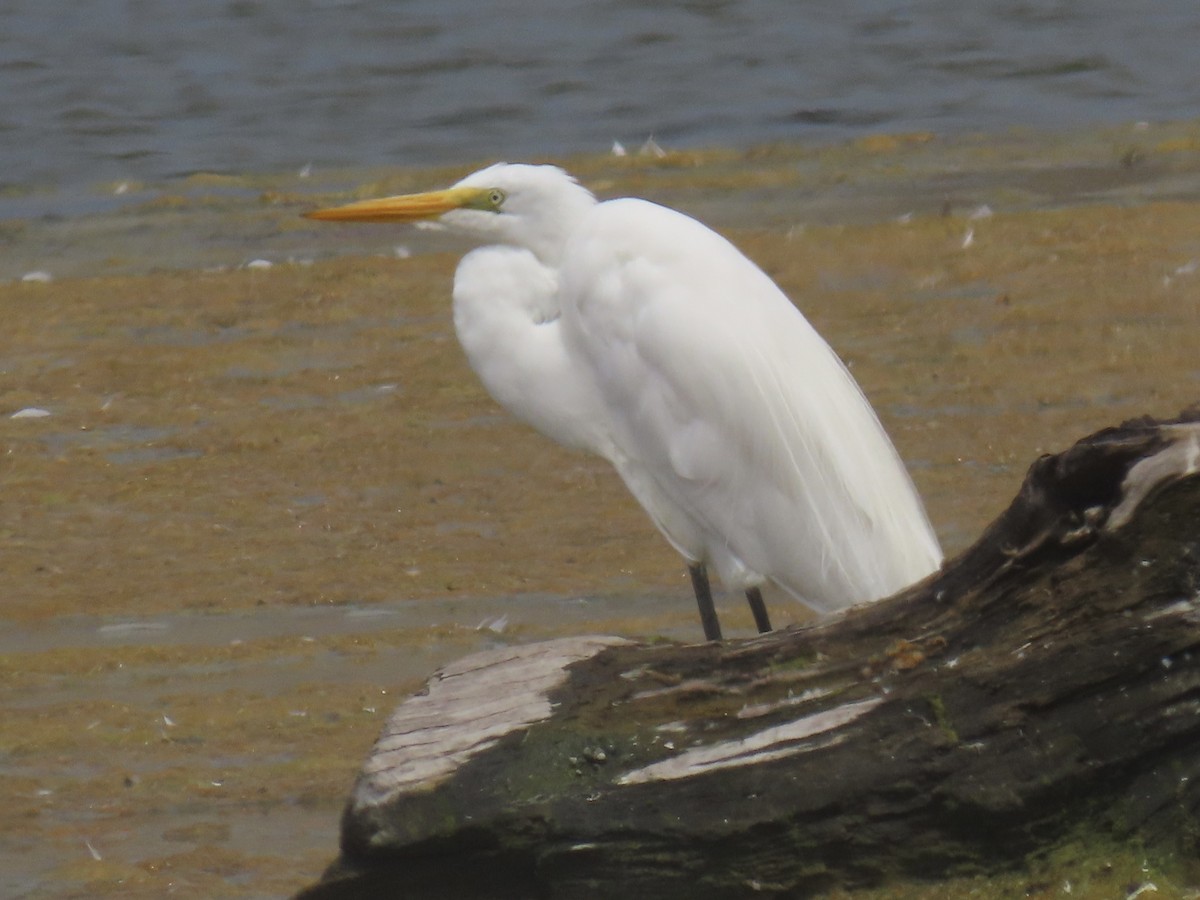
(495, 198)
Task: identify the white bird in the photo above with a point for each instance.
(636, 333)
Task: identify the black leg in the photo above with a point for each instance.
(759, 609)
(704, 600)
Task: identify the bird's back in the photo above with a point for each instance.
(736, 425)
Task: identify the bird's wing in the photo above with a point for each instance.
(507, 318)
(719, 390)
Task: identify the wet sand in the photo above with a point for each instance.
(268, 501)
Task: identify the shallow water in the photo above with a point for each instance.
(213, 223)
(266, 502)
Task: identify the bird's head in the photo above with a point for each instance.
(529, 206)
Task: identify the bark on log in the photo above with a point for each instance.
(1048, 676)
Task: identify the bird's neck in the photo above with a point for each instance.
(547, 235)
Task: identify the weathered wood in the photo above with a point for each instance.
(1048, 676)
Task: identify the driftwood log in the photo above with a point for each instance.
(1047, 677)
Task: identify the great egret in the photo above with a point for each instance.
(633, 331)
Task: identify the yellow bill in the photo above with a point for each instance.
(406, 207)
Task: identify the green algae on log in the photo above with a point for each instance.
(1047, 677)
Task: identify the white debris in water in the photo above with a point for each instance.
(981, 212)
(495, 625)
(38, 276)
(1188, 268)
(126, 629)
(305, 171)
(651, 148)
(259, 264)
(401, 251)
(618, 149)
(904, 218)
(30, 412)
(121, 188)
(92, 850)
(968, 238)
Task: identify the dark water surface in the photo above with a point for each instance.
(114, 90)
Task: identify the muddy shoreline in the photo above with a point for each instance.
(267, 501)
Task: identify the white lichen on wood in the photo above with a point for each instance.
(776, 742)
(1179, 459)
(755, 710)
(465, 709)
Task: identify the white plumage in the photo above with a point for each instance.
(633, 331)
